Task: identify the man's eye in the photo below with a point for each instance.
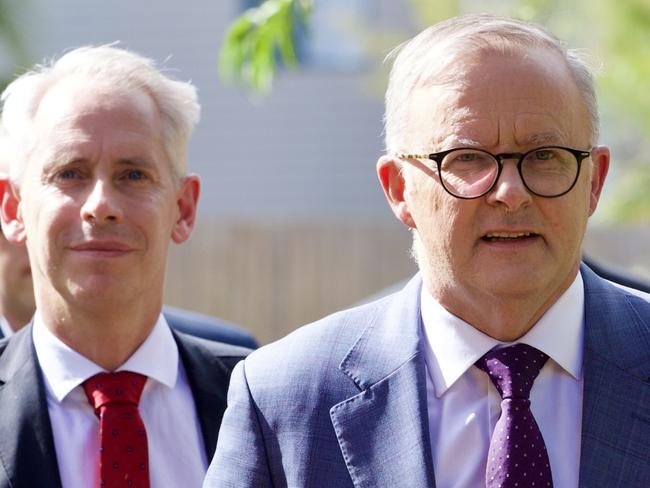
(135, 175)
(67, 174)
(468, 156)
(545, 154)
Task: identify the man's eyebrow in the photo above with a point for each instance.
(453, 141)
(61, 159)
(553, 137)
(466, 141)
(137, 161)
(540, 138)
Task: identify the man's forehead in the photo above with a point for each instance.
(75, 110)
(79, 120)
(76, 96)
(482, 108)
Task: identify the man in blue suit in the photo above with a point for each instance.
(493, 162)
(98, 390)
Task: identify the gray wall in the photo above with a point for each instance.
(309, 149)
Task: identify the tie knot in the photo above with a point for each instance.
(513, 369)
(121, 387)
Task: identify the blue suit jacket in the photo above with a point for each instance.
(342, 402)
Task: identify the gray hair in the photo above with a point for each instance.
(119, 68)
(428, 58)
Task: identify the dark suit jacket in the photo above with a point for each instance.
(27, 454)
(343, 402)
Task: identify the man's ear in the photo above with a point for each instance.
(12, 222)
(600, 158)
(392, 182)
(187, 201)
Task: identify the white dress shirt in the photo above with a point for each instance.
(464, 405)
(176, 448)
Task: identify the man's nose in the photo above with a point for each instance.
(101, 204)
(509, 189)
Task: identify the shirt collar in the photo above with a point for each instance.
(452, 345)
(64, 368)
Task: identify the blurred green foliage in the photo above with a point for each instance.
(617, 32)
(624, 90)
(631, 202)
(12, 41)
(260, 37)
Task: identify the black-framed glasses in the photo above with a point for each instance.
(467, 172)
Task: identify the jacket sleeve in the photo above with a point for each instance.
(240, 460)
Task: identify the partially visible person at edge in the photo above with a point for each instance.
(98, 390)
(16, 290)
(504, 362)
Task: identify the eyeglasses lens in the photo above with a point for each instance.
(470, 173)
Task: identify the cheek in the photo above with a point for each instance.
(422, 197)
(48, 224)
(155, 223)
(438, 220)
(566, 222)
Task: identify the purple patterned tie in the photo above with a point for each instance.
(517, 455)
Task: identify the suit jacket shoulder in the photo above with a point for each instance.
(200, 325)
(617, 325)
(616, 411)
(307, 410)
(26, 437)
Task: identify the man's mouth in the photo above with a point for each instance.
(508, 236)
(102, 247)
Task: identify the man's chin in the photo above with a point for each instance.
(99, 288)
(511, 280)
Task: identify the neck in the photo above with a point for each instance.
(504, 318)
(108, 335)
(17, 319)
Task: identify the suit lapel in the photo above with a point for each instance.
(208, 375)
(616, 409)
(27, 450)
(383, 431)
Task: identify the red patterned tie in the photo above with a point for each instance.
(123, 460)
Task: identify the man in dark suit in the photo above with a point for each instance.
(98, 390)
(504, 362)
